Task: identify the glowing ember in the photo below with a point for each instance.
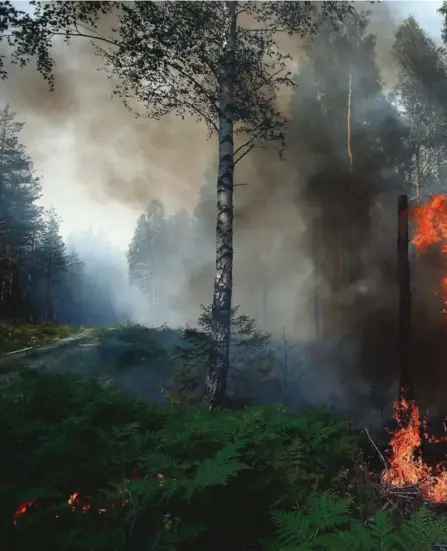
(74, 502)
(21, 510)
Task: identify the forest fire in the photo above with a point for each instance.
(431, 229)
(406, 466)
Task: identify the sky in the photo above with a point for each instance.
(81, 207)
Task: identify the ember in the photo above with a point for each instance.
(74, 502)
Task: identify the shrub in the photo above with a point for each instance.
(251, 358)
(134, 345)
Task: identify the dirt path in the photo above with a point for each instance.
(33, 352)
(68, 354)
(83, 354)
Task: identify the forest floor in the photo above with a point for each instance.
(19, 336)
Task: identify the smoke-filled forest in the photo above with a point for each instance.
(43, 278)
(263, 367)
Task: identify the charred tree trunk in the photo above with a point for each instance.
(406, 383)
(216, 380)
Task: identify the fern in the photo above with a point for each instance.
(216, 471)
(62, 435)
(327, 525)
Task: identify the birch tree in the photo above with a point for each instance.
(217, 61)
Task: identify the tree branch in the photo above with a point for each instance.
(83, 35)
(243, 154)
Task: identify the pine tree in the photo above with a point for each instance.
(19, 214)
(73, 289)
(148, 251)
(53, 264)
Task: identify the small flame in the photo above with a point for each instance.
(21, 510)
(74, 502)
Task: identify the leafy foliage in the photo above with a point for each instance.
(420, 92)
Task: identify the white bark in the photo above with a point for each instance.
(223, 285)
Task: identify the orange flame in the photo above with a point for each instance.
(74, 501)
(431, 228)
(406, 465)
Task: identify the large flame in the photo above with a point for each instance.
(407, 467)
(431, 229)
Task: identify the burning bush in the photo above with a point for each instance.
(83, 467)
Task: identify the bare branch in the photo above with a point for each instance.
(243, 154)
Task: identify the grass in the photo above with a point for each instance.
(18, 336)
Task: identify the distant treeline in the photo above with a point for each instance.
(41, 279)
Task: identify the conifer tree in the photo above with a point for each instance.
(53, 264)
(147, 251)
(19, 215)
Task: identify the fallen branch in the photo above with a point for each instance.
(377, 449)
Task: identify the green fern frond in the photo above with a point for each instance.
(293, 527)
(211, 472)
(419, 533)
(326, 511)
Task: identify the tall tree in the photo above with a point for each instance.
(147, 252)
(353, 144)
(19, 214)
(53, 264)
(73, 288)
(420, 92)
(217, 61)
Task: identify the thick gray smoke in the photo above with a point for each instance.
(314, 245)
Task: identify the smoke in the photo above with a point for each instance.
(115, 156)
(313, 252)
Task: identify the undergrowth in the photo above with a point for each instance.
(86, 468)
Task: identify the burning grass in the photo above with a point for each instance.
(407, 473)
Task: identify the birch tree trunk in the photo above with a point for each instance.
(217, 375)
